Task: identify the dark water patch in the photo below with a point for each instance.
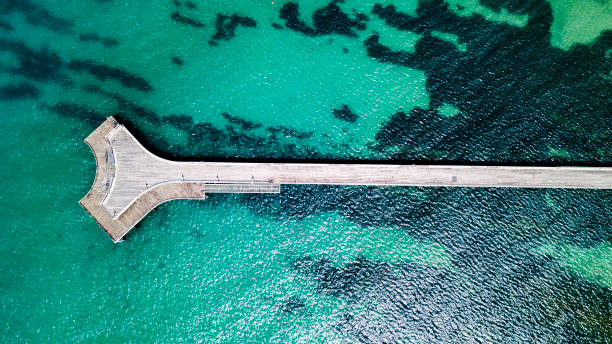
(338, 281)
(488, 234)
(458, 218)
(345, 50)
(292, 304)
(182, 122)
(583, 309)
(40, 65)
(520, 301)
(521, 96)
(94, 37)
(36, 15)
(240, 122)
(226, 26)
(103, 72)
(326, 20)
(5, 25)
(360, 16)
(70, 110)
(177, 60)
(188, 4)
(179, 18)
(289, 132)
(344, 113)
(232, 142)
(207, 142)
(277, 26)
(124, 105)
(424, 131)
(20, 91)
(291, 14)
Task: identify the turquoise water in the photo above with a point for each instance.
(508, 82)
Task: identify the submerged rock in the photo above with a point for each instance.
(226, 26)
(327, 20)
(177, 60)
(344, 113)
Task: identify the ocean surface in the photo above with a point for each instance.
(456, 81)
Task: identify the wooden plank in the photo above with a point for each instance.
(242, 188)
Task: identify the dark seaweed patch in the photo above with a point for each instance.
(5, 25)
(182, 122)
(203, 140)
(38, 65)
(291, 14)
(521, 95)
(327, 20)
(19, 91)
(360, 16)
(242, 123)
(336, 281)
(124, 105)
(179, 18)
(190, 5)
(94, 37)
(344, 113)
(292, 305)
(70, 110)
(289, 132)
(422, 130)
(433, 305)
(36, 15)
(226, 26)
(177, 60)
(103, 72)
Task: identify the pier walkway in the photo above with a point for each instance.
(130, 181)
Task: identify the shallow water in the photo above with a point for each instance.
(526, 83)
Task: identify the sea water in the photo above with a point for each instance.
(519, 82)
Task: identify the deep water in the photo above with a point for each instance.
(457, 81)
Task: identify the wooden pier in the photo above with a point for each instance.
(130, 181)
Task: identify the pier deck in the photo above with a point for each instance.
(130, 181)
